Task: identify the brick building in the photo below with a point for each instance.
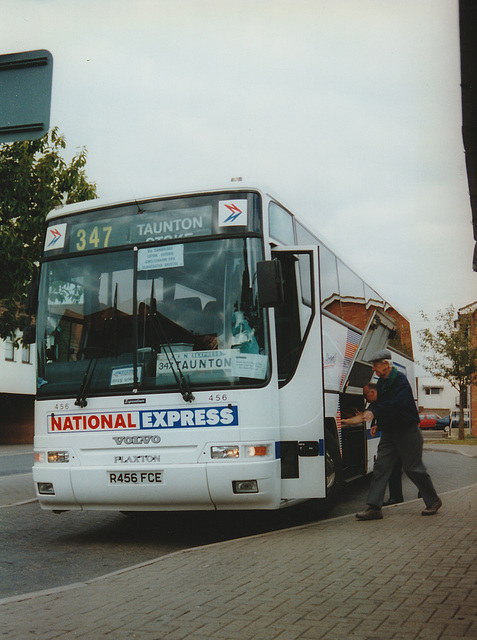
(17, 393)
(358, 312)
(472, 395)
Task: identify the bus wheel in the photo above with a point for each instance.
(333, 476)
(333, 470)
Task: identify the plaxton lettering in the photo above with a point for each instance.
(92, 422)
(136, 459)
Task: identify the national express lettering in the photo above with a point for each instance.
(217, 416)
(92, 422)
(196, 417)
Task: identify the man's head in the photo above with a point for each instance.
(370, 392)
(382, 363)
(382, 368)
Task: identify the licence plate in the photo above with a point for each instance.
(135, 477)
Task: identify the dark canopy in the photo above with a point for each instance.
(468, 52)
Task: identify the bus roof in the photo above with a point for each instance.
(101, 203)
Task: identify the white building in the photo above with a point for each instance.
(436, 395)
(17, 393)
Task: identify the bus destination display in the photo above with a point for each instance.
(149, 226)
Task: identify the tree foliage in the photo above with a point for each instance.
(450, 354)
(34, 178)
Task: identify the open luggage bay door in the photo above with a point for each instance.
(379, 330)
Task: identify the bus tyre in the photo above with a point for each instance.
(333, 469)
(333, 476)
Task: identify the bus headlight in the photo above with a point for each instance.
(58, 456)
(225, 451)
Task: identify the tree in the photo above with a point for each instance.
(34, 179)
(450, 354)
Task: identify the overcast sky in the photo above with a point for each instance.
(349, 109)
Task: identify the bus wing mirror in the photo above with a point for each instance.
(270, 283)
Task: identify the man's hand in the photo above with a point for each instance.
(357, 419)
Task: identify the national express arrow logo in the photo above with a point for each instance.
(232, 213)
(55, 237)
(235, 212)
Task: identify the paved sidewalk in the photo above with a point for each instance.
(467, 450)
(402, 577)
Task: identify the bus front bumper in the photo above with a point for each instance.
(181, 487)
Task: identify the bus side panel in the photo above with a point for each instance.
(406, 366)
(302, 420)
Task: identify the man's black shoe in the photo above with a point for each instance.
(370, 514)
(391, 501)
(433, 509)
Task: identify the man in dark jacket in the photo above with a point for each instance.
(396, 413)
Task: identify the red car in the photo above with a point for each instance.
(428, 420)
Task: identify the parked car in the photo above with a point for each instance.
(428, 420)
(443, 423)
(455, 416)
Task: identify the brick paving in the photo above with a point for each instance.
(402, 577)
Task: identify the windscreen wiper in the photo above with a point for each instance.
(181, 381)
(85, 383)
(89, 373)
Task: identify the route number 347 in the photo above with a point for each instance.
(95, 237)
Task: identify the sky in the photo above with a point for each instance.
(350, 110)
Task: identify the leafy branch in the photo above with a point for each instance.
(34, 178)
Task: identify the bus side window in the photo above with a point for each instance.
(281, 224)
(294, 316)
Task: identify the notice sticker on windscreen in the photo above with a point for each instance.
(160, 257)
(125, 375)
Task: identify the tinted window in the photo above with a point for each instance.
(281, 224)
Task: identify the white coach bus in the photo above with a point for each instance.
(198, 351)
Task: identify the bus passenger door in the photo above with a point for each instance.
(300, 375)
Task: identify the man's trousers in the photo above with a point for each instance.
(405, 443)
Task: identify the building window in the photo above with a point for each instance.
(433, 391)
(9, 350)
(26, 354)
